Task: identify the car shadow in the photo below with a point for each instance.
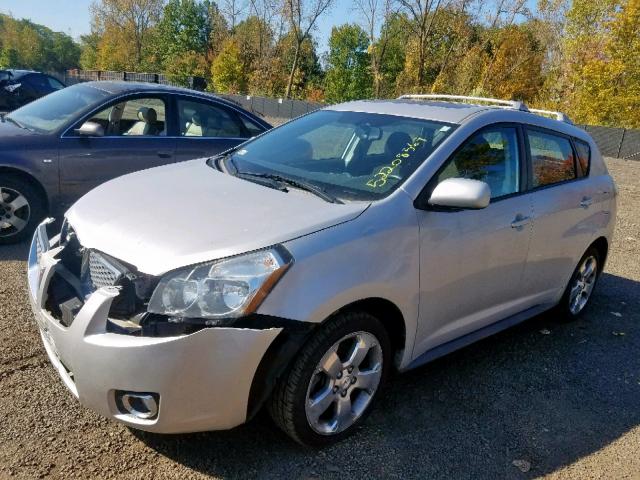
(14, 252)
(545, 392)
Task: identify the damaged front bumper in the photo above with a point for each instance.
(201, 381)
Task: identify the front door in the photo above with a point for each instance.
(135, 138)
(472, 261)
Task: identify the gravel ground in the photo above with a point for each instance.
(562, 404)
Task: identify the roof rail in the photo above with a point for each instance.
(515, 104)
(561, 117)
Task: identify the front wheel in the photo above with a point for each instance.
(583, 281)
(334, 381)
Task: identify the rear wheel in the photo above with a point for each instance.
(21, 209)
(333, 383)
(583, 281)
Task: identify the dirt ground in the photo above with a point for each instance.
(543, 399)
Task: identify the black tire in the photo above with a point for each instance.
(36, 208)
(564, 307)
(287, 403)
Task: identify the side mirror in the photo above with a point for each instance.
(90, 129)
(461, 193)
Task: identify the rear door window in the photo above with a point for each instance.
(552, 158)
(199, 119)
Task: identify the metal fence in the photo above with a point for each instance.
(613, 142)
(71, 77)
(273, 108)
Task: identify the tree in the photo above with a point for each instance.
(516, 71)
(233, 10)
(421, 14)
(302, 16)
(24, 44)
(89, 51)
(348, 76)
(375, 13)
(182, 39)
(124, 23)
(394, 40)
(608, 89)
(228, 70)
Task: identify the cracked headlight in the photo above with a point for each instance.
(227, 288)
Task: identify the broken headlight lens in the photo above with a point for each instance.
(227, 288)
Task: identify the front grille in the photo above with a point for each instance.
(101, 272)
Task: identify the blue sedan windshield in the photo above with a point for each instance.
(48, 114)
(351, 155)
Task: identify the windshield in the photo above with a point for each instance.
(351, 155)
(49, 113)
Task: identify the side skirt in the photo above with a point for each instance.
(469, 338)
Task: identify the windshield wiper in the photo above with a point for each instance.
(15, 122)
(299, 184)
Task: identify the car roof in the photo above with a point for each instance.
(117, 87)
(448, 112)
(455, 112)
(123, 87)
(19, 73)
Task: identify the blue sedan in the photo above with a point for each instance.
(57, 148)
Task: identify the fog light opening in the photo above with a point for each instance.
(143, 406)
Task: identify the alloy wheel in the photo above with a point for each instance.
(583, 283)
(344, 383)
(15, 212)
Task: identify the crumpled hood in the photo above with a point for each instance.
(169, 217)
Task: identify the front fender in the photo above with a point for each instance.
(373, 256)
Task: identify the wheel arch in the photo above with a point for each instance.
(27, 177)
(602, 245)
(389, 315)
(286, 346)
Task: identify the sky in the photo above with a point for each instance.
(72, 16)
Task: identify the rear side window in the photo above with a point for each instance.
(552, 158)
(55, 84)
(199, 119)
(584, 157)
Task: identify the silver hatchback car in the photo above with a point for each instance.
(302, 267)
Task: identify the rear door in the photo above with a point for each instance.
(566, 212)
(135, 138)
(206, 128)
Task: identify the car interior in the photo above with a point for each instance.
(137, 117)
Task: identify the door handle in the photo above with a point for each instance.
(586, 202)
(164, 153)
(520, 221)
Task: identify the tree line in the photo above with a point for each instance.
(580, 56)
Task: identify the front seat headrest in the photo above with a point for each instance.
(147, 115)
(396, 142)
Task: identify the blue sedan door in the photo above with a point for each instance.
(207, 128)
(135, 138)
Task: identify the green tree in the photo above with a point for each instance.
(348, 74)
(89, 51)
(228, 69)
(182, 39)
(24, 44)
